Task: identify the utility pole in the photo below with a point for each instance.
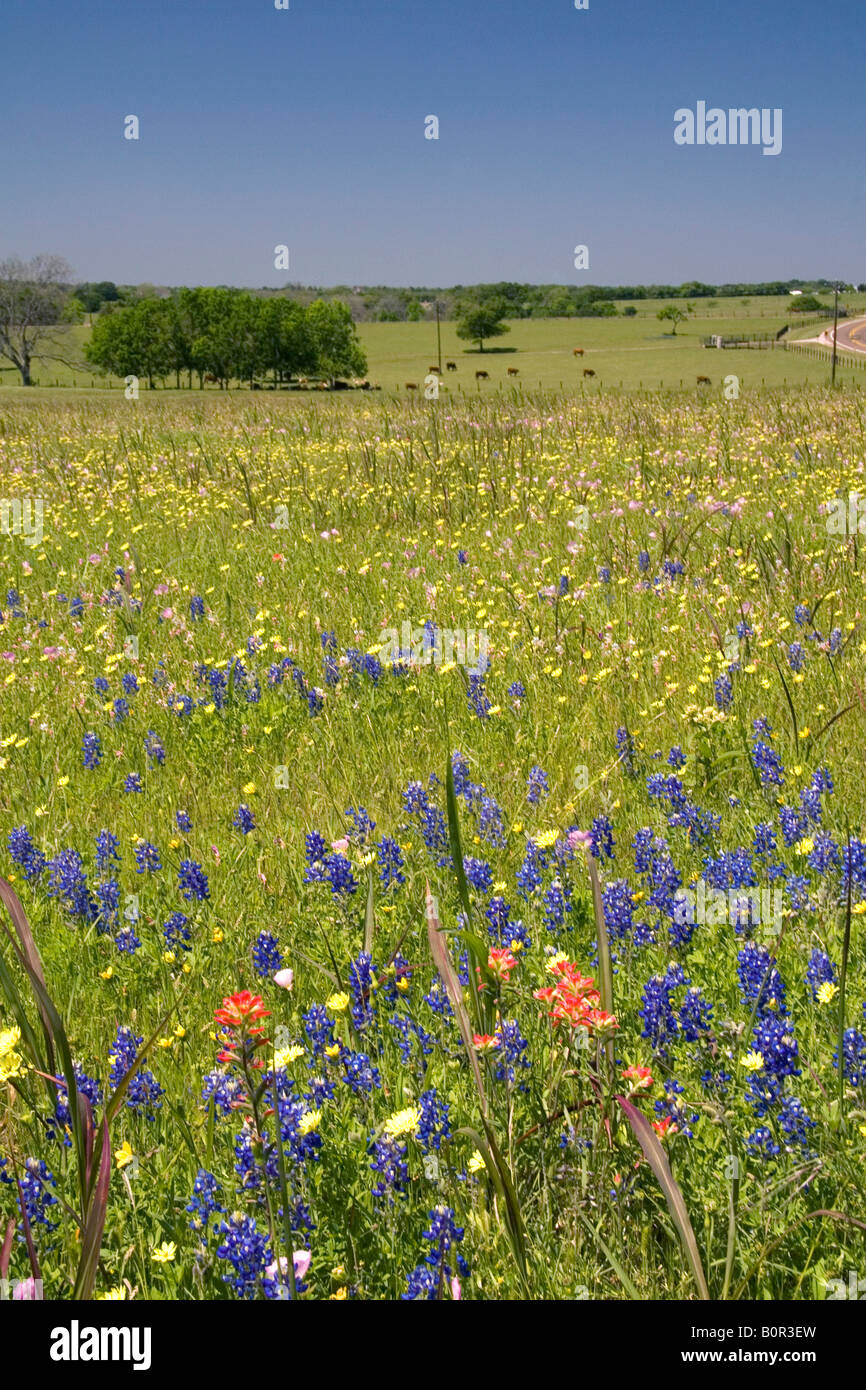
(438, 339)
(835, 322)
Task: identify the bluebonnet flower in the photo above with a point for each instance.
(529, 874)
(361, 980)
(108, 898)
(68, 881)
(537, 785)
(695, 1015)
(196, 608)
(765, 840)
(795, 1124)
(243, 820)
(479, 874)
(192, 881)
(801, 614)
(176, 932)
(246, 1249)
(120, 709)
(760, 981)
(434, 1124)
(477, 697)
(362, 826)
(390, 861)
(107, 846)
(668, 1109)
(389, 1161)
(557, 901)
(723, 691)
(147, 858)
(777, 1045)
(358, 1072)
(127, 941)
(825, 854)
(796, 656)
(763, 1143)
(100, 685)
(144, 1094)
(37, 1180)
(768, 764)
(183, 822)
(267, 956)
(854, 1055)
(501, 929)
(659, 1022)
(133, 783)
(643, 561)
(91, 751)
(601, 838)
(604, 574)
(24, 853)
(153, 747)
(319, 1027)
(204, 1203)
(819, 971)
(223, 1089)
(511, 1052)
(428, 1280)
(676, 757)
(490, 826)
(517, 690)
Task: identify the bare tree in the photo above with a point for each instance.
(31, 303)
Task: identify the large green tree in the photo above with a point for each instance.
(477, 321)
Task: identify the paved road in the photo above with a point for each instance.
(851, 335)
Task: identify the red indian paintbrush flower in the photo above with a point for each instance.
(239, 1011)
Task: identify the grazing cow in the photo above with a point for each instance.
(411, 386)
(587, 371)
(322, 386)
(303, 381)
(482, 376)
(704, 381)
(209, 376)
(451, 366)
(437, 370)
(578, 352)
(514, 371)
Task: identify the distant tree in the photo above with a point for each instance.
(334, 340)
(136, 341)
(674, 314)
(32, 296)
(94, 295)
(477, 321)
(806, 304)
(629, 311)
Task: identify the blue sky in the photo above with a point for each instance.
(305, 127)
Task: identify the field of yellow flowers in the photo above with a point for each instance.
(433, 848)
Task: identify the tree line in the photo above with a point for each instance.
(225, 335)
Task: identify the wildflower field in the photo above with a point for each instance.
(520, 959)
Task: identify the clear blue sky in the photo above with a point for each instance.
(306, 127)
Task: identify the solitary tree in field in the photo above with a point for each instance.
(675, 313)
(475, 322)
(31, 305)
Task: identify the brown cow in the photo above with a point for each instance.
(209, 376)
(578, 352)
(411, 386)
(587, 371)
(451, 366)
(704, 381)
(482, 376)
(513, 371)
(438, 370)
